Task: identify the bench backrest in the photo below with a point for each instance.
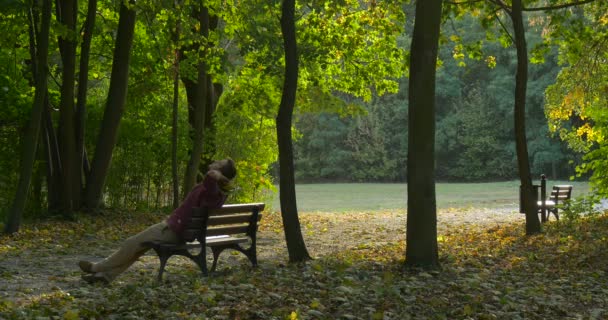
(561, 193)
(230, 219)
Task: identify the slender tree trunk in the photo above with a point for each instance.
(197, 93)
(289, 210)
(174, 141)
(83, 79)
(66, 14)
(115, 105)
(421, 237)
(54, 165)
(30, 140)
(521, 146)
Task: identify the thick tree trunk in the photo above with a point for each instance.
(289, 211)
(30, 140)
(197, 100)
(66, 14)
(114, 107)
(521, 146)
(83, 79)
(421, 239)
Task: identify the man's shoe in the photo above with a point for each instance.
(86, 266)
(95, 278)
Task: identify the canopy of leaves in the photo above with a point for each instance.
(576, 103)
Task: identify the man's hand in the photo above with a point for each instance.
(217, 176)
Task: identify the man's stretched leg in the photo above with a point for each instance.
(131, 249)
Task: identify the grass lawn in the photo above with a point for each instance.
(371, 196)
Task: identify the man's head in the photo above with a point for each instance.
(225, 166)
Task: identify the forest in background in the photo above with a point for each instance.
(351, 123)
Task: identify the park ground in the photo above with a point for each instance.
(489, 270)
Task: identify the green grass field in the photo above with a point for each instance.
(338, 197)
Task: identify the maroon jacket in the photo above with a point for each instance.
(206, 194)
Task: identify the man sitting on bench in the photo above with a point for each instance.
(211, 193)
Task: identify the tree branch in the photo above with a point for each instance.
(502, 5)
(560, 6)
(456, 3)
(502, 25)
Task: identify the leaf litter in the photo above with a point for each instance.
(489, 270)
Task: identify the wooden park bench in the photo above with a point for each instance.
(545, 206)
(229, 227)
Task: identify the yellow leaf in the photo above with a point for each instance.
(71, 315)
(293, 316)
(467, 310)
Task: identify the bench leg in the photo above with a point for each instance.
(201, 261)
(249, 253)
(216, 254)
(163, 263)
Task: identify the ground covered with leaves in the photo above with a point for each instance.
(489, 270)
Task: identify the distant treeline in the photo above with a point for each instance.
(474, 141)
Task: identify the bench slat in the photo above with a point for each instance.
(218, 231)
(226, 240)
(231, 219)
(237, 208)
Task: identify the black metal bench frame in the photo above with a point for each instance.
(228, 227)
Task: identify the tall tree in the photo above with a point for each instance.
(197, 92)
(289, 210)
(66, 15)
(174, 116)
(30, 140)
(114, 106)
(521, 145)
(422, 249)
(515, 11)
(83, 79)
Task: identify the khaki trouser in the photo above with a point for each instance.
(132, 249)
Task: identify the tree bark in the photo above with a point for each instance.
(521, 146)
(114, 107)
(422, 249)
(83, 79)
(174, 175)
(66, 15)
(53, 163)
(289, 211)
(197, 100)
(30, 140)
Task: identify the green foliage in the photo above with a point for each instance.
(474, 129)
(245, 131)
(576, 102)
(575, 208)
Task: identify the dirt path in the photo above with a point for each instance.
(44, 271)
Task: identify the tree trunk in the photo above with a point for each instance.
(66, 15)
(30, 140)
(54, 165)
(521, 146)
(197, 100)
(175, 178)
(289, 211)
(421, 239)
(83, 79)
(114, 107)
